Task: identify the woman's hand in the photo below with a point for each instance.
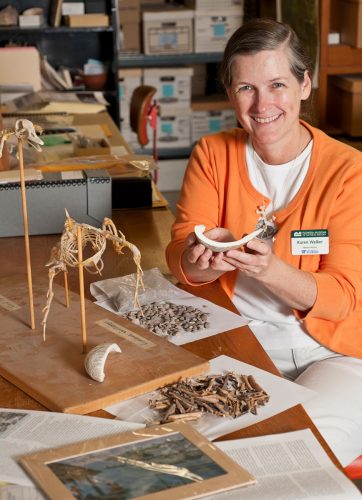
(202, 264)
(295, 287)
(256, 261)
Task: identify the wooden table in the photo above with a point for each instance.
(149, 229)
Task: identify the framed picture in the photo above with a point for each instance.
(166, 461)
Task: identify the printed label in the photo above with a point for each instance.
(310, 242)
(8, 304)
(123, 332)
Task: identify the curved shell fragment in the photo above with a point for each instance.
(222, 246)
(96, 358)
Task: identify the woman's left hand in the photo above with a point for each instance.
(256, 261)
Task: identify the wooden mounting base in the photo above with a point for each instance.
(52, 372)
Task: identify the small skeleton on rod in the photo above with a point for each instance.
(69, 253)
(24, 131)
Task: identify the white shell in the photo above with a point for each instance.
(222, 246)
(96, 358)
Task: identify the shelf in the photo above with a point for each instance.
(51, 30)
(344, 59)
(128, 60)
(166, 153)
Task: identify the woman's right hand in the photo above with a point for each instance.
(202, 264)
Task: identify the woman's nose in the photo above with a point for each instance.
(261, 101)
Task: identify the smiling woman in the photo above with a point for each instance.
(299, 282)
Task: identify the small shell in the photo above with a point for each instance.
(96, 358)
(222, 246)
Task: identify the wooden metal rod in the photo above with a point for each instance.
(66, 288)
(81, 288)
(26, 234)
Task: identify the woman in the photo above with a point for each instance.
(300, 291)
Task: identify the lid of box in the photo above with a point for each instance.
(160, 72)
(171, 111)
(167, 15)
(129, 72)
(235, 11)
(211, 104)
(350, 83)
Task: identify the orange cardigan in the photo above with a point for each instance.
(217, 192)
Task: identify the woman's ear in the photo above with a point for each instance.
(306, 86)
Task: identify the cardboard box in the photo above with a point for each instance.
(87, 21)
(129, 11)
(345, 103)
(88, 199)
(349, 22)
(173, 128)
(168, 31)
(31, 21)
(213, 29)
(130, 37)
(70, 8)
(173, 85)
(20, 65)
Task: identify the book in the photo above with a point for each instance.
(56, 13)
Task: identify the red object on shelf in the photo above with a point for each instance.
(144, 110)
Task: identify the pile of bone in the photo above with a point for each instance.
(229, 395)
(168, 319)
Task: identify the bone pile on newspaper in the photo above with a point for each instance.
(228, 395)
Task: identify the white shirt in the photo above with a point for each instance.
(271, 320)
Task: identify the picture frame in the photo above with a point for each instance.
(160, 462)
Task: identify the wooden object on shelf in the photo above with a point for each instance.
(333, 59)
(86, 20)
(345, 103)
(53, 373)
(349, 22)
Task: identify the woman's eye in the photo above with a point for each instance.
(278, 85)
(243, 88)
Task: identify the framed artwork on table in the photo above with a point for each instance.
(166, 461)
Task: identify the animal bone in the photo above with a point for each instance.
(25, 131)
(66, 254)
(222, 246)
(96, 358)
(228, 395)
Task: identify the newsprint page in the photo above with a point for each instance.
(287, 466)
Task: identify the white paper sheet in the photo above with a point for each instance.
(26, 431)
(287, 466)
(283, 395)
(158, 288)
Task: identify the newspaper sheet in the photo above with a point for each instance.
(287, 466)
(25, 431)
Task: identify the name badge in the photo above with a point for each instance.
(310, 242)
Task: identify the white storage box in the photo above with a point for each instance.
(213, 29)
(128, 80)
(210, 122)
(174, 128)
(173, 85)
(213, 4)
(168, 31)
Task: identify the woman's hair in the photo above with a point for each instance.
(264, 34)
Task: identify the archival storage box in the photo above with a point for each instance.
(173, 85)
(214, 28)
(168, 31)
(88, 199)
